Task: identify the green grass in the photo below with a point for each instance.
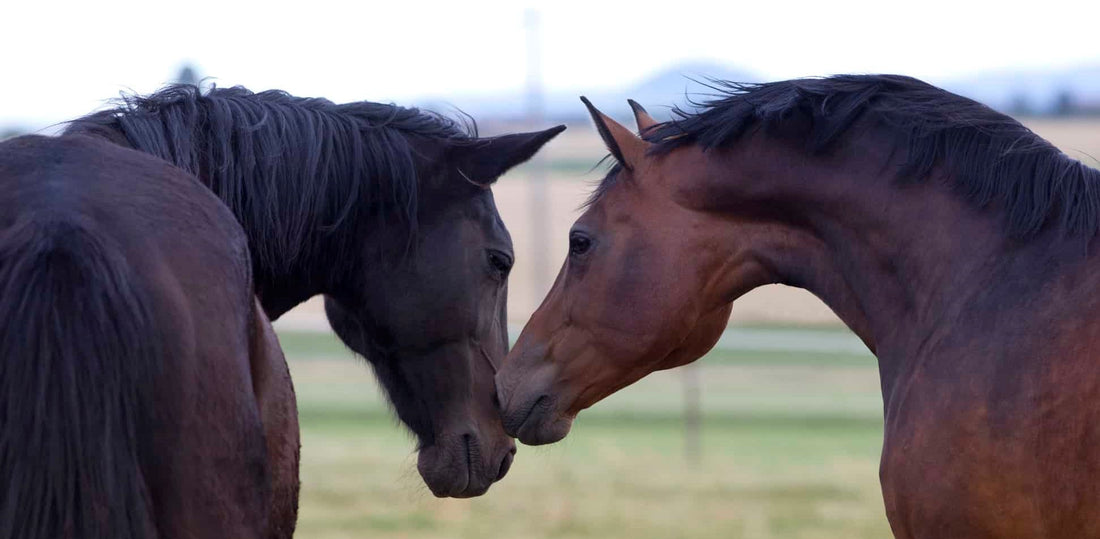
(311, 345)
(790, 446)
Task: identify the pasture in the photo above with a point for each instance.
(790, 446)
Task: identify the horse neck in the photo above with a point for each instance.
(896, 263)
(279, 287)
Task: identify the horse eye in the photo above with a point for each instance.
(579, 244)
(501, 262)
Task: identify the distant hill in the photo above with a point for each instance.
(1021, 92)
(1035, 91)
(657, 93)
(669, 87)
(1017, 92)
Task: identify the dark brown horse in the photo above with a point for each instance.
(955, 242)
(385, 210)
(139, 380)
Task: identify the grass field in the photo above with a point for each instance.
(790, 448)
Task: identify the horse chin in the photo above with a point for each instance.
(455, 467)
(539, 423)
(545, 432)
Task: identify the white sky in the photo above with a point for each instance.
(60, 60)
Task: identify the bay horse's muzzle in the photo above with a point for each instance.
(529, 408)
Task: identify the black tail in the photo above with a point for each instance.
(77, 356)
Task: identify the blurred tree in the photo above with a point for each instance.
(9, 132)
(1065, 104)
(188, 75)
(1020, 105)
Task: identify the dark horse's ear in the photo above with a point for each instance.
(627, 148)
(484, 160)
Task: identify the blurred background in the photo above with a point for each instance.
(774, 434)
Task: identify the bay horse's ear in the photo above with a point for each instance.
(628, 148)
(484, 160)
(641, 117)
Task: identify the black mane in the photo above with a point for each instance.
(291, 169)
(990, 158)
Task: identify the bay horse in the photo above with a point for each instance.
(385, 210)
(957, 244)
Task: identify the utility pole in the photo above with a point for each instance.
(693, 443)
(536, 168)
(188, 75)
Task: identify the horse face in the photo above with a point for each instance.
(632, 297)
(434, 323)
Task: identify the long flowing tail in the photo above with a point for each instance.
(78, 353)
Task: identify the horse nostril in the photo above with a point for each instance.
(467, 442)
(496, 401)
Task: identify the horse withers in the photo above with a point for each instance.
(957, 244)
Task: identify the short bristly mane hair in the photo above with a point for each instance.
(990, 158)
(291, 169)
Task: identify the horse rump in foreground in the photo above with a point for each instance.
(139, 379)
(957, 244)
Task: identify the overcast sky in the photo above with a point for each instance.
(60, 60)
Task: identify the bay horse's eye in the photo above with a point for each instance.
(579, 243)
(500, 261)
